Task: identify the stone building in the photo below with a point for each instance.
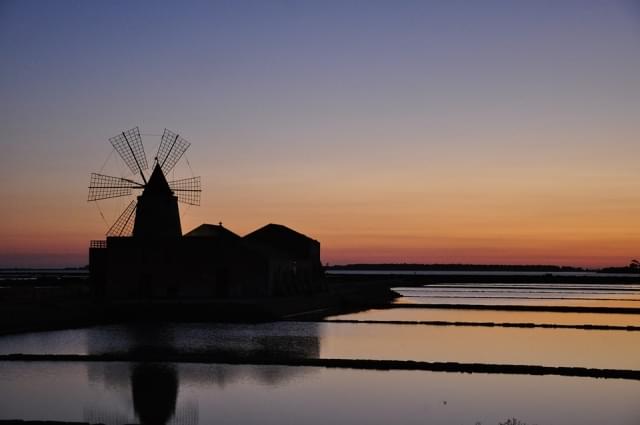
(209, 262)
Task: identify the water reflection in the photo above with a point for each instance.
(58, 391)
(539, 294)
(154, 390)
(267, 340)
(149, 393)
(290, 340)
(144, 393)
(152, 387)
(492, 316)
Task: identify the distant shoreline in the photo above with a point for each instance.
(455, 267)
(478, 273)
(406, 267)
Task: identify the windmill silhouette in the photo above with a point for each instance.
(154, 213)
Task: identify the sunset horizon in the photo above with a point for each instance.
(352, 212)
(506, 137)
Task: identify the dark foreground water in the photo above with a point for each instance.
(184, 393)
(117, 393)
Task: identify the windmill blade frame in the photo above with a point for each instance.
(129, 146)
(187, 190)
(171, 149)
(102, 186)
(123, 226)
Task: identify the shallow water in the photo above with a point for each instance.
(539, 317)
(125, 392)
(518, 301)
(546, 347)
(538, 294)
(118, 393)
(477, 273)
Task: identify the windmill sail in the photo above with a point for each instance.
(105, 187)
(129, 146)
(171, 149)
(124, 224)
(155, 211)
(187, 190)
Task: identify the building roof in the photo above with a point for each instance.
(212, 231)
(277, 230)
(283, 239)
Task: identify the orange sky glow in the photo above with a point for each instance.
(386, 133)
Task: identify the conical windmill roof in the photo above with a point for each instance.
(157, 212)
(157, 184)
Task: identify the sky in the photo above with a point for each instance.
(391, 131)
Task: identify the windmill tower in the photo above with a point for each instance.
(154, 213)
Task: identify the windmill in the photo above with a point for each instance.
(154, 213)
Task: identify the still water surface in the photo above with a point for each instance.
(120, 393)
(539, 294)
(547, 347)
(153, 393)
(448, 315)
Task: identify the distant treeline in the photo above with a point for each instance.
(40, 269)
(459, 267)
(635, 270)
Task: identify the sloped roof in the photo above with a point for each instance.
(277, 230)
(157, 184)
(282, 239)
(212, 231)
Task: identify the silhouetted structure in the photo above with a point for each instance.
(294, 259)
(157, 213)
(156, 210)
(154, 390)
(209, 262)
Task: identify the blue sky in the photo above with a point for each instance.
(362, 103)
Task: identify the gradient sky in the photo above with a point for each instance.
(391, 131)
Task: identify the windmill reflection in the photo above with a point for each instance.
(147, 393)
(154, 386)
(275, 340)
(141, 393)
(154, 389)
